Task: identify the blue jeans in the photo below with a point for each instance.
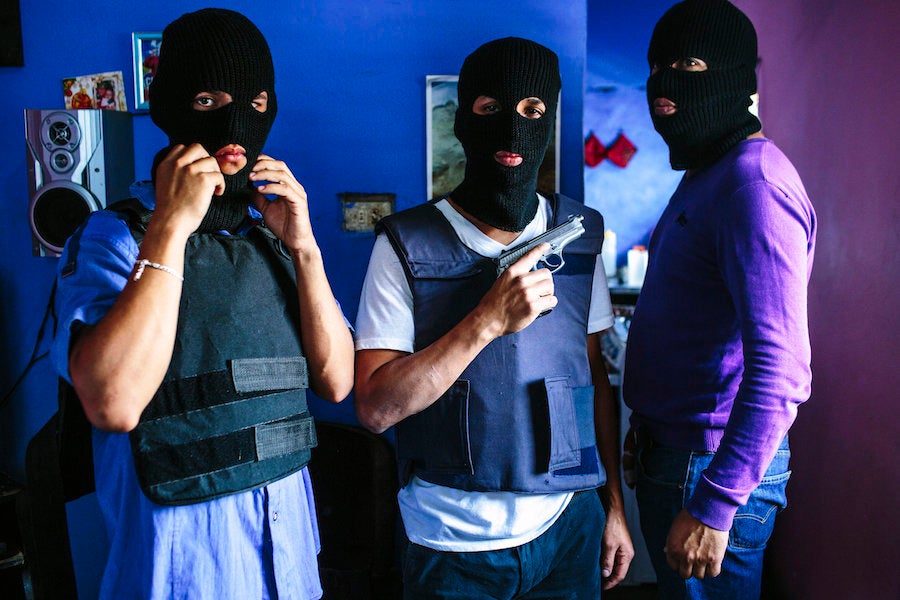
(666, 479)
(563, 562)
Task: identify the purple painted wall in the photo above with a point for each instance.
(829, 87)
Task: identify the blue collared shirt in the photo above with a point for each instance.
(257, 544)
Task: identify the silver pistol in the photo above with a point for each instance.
(558, 238)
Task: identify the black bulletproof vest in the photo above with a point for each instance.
(231, 413)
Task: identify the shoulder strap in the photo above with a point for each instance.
(76, 461)
(133, 212)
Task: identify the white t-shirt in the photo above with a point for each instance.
(436, 516)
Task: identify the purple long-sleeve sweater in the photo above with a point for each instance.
(718, 354)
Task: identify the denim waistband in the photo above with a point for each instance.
(644, 439)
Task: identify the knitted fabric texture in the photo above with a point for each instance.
(216, 50)
(712, 115)
(508, 70)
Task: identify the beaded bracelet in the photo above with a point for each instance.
(148, 263)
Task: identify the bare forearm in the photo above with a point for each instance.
(607, 438)
(617, 549)
(391, 386)
(118, 364)
(326, 338)
(606, 426)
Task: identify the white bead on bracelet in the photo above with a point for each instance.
(149, 263)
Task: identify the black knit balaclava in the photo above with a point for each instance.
(215, 50)
(507, 70)
(712, 115)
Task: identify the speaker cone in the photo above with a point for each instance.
(57, 211)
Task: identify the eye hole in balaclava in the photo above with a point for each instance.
(215, 50)
(712, 106)
(508, 70)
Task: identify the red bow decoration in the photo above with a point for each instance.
(594, 150)
(619, 152)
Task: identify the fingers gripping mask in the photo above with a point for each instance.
(712, 106)
(216, 50)
(508, 70)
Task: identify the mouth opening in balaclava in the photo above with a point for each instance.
(712, 113)
(216, 50)
(508, 70)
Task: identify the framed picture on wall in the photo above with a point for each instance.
(145, 50)
(445, 159)
(105, 91)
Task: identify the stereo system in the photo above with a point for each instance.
(78, 162)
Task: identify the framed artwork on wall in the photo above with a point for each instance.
(145, 50)
(445, 159)
(105, 91)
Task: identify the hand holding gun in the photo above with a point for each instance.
(558, 238)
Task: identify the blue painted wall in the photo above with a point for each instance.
(631, 198)
(350, 79)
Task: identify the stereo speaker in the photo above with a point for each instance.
(78, 162)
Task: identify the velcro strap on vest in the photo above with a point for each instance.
(214, 421)
(224, 431)
(284, 437)
(258, 374)
(253, 444)
(182, 396)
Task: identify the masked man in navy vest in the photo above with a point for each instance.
(192, 319)
(503, 418)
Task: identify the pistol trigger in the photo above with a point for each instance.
(555, 264)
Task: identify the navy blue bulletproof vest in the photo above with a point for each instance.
(521, 416)
(231, 414)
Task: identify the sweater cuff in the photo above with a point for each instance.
(713, 505)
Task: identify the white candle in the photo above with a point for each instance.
(608, 254)
(637, 266)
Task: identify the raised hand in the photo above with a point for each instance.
(186, 180)
(287, 214)
(520, 294)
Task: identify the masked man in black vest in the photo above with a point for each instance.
(503, 420)
(192, 319)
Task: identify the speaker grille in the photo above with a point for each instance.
(57, 213)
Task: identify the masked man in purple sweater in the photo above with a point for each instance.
(718, 354)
